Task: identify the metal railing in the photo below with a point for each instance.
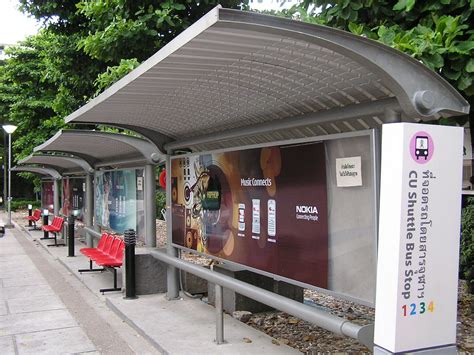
(323, 319)
(341, 326)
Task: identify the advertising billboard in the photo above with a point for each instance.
(47, 195)
(73, 197)
(265, 208)
(118, 200)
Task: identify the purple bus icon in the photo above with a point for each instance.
(421, 147)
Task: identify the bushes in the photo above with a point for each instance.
(19, 204)
(160, 202)
(467, 244)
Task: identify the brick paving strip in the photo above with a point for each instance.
(45, 309)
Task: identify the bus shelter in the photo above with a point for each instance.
(73, 171)
(50, 182)
(247, 106)
(123, 169)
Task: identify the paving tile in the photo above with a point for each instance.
(24, 281)
(26, 305)
(35, 321)
(59, 341)
(16, 257)
(7, 346)
(8, 250)
(3, 308)
(8, 293)
(13, 274)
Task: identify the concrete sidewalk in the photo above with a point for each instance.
(33, 319)
(185, 326)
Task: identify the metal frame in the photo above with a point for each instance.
(147, 156)
(54, 162)
(54, 174)
(360, 110)
(148, 200)
(375, 168)
(145, 149)
(414, 91)
(71, 177)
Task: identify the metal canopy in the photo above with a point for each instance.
(63, 164)
(239, 78)
(36, 170)
(102, 148)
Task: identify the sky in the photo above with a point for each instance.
(15, 26)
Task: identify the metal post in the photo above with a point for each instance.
(130, 238)
(56, 197)
(219, 315)
(70, 235)
(30, 213)
(89, 208)
(9, 224)
(173, 272)
(5, 173)
(150, 206)
(45, 223)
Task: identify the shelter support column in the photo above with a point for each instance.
(56, 196)
(173, 272)
(150, 206)
(89, 208)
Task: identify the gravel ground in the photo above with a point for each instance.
(308, 338)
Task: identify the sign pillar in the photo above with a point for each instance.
(419, 232)
(150, 206)
(172, 279)
(56, 197)
(89, 207)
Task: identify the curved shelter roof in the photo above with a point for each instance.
(237, 78)
(61, 163)
(102, 148)
(37, 170)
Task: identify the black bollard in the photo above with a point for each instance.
(30, 213)
(45, 223)
(130, 239)
(70, 235)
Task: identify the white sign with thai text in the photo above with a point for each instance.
(349, 172)
(418, 251)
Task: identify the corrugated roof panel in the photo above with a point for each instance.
(234, 70)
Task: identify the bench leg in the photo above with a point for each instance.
(90, 269)
(46, 238)
(35, 227)
(55, 241)
(103, 290)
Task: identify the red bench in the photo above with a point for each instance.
(35, 217)
(108, 255)
(54, 228)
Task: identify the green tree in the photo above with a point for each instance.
(84, 47)
(437, 32)
(36, 92)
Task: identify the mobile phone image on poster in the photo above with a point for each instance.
(265, 208)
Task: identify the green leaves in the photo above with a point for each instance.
(85, 47)
(436, 32)
(470, 66)
(114, 73)
(404, 5)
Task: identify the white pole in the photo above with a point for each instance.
(9, 179)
